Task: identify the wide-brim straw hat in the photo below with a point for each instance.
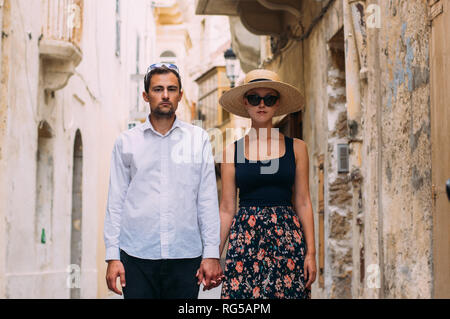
(291, 100)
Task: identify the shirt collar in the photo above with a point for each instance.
(148, 125)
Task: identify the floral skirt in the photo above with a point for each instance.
(265, 255)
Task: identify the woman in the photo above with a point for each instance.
(271, 251)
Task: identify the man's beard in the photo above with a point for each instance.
(160, 113)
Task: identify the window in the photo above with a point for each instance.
(138, 52)
(118, 31)
(168, 57)
(77, 210)
(138, 81)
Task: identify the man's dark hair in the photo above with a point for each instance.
(161, 70)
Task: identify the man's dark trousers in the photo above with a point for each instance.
(160, 279)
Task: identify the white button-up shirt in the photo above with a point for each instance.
(162, 200)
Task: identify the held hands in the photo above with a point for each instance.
(210, 273)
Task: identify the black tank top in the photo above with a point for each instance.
(265, 183)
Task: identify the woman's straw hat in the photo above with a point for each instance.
(291, 100)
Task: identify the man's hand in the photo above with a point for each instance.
(210, 273)
(115, 269)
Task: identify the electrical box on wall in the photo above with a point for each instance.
(343, 158)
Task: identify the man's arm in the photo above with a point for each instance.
(208, 218)
(118, 185)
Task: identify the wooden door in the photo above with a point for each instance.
(440, 140)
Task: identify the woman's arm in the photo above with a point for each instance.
(227, 206)
(303, 206)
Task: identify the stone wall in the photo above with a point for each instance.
(95, 102)
(402, 142)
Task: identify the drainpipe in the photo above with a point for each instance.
(374, 105)
(353, 93)
(353, 89)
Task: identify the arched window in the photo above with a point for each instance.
(168, 57)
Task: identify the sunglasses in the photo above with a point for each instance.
(160, 65)
(255, 100)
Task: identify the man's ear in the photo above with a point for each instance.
(181, 95)
(145, 96)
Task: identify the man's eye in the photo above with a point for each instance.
(157, 89)
(172, 89)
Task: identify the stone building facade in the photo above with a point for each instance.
(373, 74)
(66, 93)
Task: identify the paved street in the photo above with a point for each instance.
(209, 294)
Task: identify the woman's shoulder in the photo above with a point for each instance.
(300, 148)
(299, 142)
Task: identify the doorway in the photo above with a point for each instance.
(77, 212)
(440, 141)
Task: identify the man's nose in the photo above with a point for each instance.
(165, 94)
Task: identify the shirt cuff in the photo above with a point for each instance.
(112, 253)
(211, 252)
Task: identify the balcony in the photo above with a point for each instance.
(261, 17)
(250, 19)
(168, 14)
(60, 43)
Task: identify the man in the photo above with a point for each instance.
(162, 220)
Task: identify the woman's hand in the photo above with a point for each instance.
(309, 270)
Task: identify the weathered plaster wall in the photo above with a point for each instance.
(95, 101)
(406, 149)
(34, 269)
(396, 155)
(5, 25)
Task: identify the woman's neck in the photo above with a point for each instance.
(261, 131)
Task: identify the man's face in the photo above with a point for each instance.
(163, 94)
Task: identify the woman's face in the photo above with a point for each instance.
(261, 113)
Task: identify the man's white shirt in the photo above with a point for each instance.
(162, 200)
